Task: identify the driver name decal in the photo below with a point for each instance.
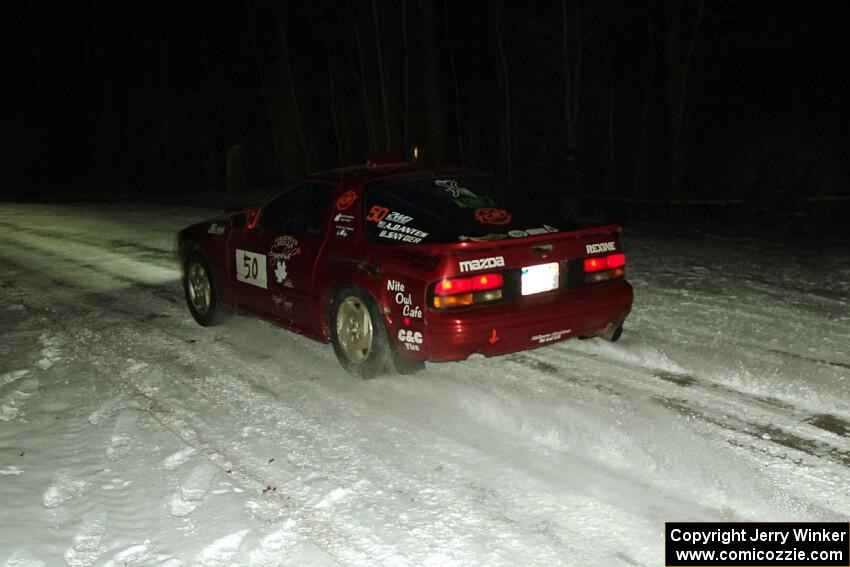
(393, 225)
(251, 268)
(482, 264)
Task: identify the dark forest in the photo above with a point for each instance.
(628, 104)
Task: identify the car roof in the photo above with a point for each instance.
(363, 174)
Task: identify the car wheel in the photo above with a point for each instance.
(358, 334)
(201, 294)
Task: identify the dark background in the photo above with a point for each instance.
(667, 107)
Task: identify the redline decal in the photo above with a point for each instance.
(398, 218)
(377, 213)
(346, 200)
(489, 215)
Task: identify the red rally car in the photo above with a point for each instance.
(397, 264)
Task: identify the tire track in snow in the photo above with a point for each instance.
(470, 482)
(485, 499)
(715, 401)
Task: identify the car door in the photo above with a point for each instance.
(275, 260)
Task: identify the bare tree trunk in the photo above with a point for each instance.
(166, 95)
(678, 65)
(647, 98)
(506, 85)
(341, 157)
(370, 124)
(388, 139)
(278, 154)
(454, 81)
(609, 168)
(405, 138)
(296, 107)
(435, 151)
(572, 72)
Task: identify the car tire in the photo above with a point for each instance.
(200, 290)
(358, 334)
(405, 365)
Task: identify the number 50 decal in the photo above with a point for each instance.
(251, 268)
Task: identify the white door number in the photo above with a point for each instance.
(251, 268)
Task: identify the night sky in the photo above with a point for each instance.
(651, 101)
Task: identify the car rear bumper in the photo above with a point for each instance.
(501, 329)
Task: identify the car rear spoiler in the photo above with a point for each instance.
(602, 230)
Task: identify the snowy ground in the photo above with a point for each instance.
(131, 436)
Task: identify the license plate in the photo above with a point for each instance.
(539, 278)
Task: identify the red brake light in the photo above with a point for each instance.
(615, 261)
(460, 292)
(595, 264)
(451, 287)
(487, 281)
(604, 268)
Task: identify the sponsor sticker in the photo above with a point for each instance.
(485, 238)
(455, 190)
(489, 215)
(463, 197)
(346, 200)
(342, 227)
(216, 229)
(283, 249)
(549, 337)
(404, 299)
(410, 339)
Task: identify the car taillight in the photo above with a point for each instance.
(602, 268)
(615, 261)
(460, 292)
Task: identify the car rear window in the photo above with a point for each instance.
(455, 209)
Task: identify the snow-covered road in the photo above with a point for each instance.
(131, 436)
